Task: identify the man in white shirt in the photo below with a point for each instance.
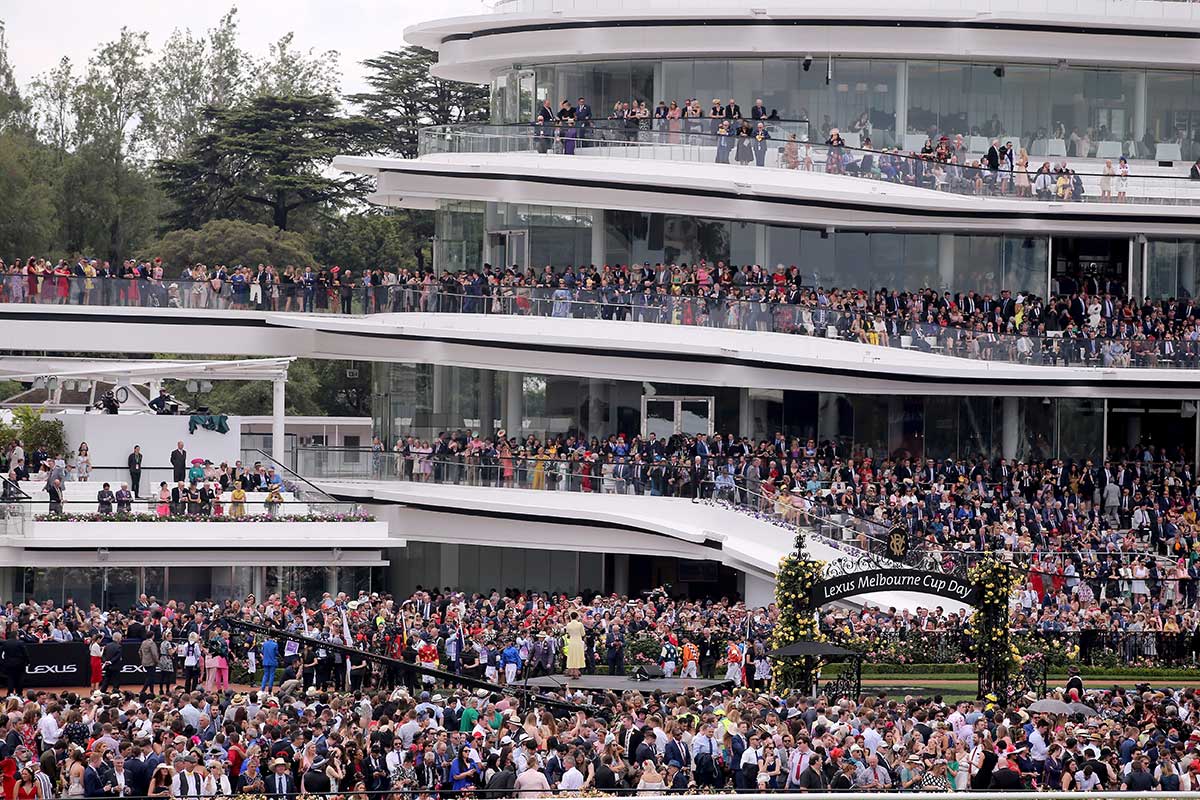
(572, 779)
(187, 783)
(49, 727)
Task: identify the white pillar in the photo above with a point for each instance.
(901, 103)
(1010, 427)
(514, 406)
(278, 409)
(599, 256)
(1139, 109)
(762, 252)
(331, 580)
(946, 260)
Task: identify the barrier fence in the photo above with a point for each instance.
(782, 145)
(768, 312)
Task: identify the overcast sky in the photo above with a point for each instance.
(39, 33)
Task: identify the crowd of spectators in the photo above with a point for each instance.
(1088, 320)
(1112, 545)
(316, 719)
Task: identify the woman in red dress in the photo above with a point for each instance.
(28, 787)
(95, 651)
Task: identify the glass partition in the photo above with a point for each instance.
(1049, 110)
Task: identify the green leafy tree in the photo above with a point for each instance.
(53, 107)
(375, 238)
(288, 70)
(271, 153)
(404, 98)
(27, 213)
(110, 105)
(14, 109)
(228, 241)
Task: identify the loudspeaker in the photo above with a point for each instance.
(644, 672)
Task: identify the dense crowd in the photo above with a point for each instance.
(318, 719)
(1109, 545)
(1088, 320)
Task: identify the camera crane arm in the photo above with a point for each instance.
(533, 697)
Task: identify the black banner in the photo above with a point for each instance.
(58, 664)
(895, 580)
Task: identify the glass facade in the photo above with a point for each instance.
(934, 426)
(1047, 109)
(982, 262)
(119, 587)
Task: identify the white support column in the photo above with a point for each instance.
(1010, 427)
(946, 260)
(759, 592)
(901, 103)
(514, 405)
(762, 250)
(278, 410)
(599, 256)
(331, 580)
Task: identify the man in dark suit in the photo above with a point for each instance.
(14, 657)
(280, 783)
(179, 462)
(733, 110)
(583, 119)
(111, 663)
(95, 777)
(135, 470)
(759, 111)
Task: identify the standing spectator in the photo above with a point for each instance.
(179, 462)
(14, 657)
(104, 499)
(135, 470)
(148, 655)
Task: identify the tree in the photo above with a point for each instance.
(27, 215)
(270, 152)
(288, 71)
(405, 97)
(228, 241)
(53, 112)
(14, 109)
(191, 74)
(109, 105)
(364, 241)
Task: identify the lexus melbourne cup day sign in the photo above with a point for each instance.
(894, 580)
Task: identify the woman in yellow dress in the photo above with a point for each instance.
(237, 504)
(576, 659)
(539, 468)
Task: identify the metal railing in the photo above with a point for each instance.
(1158, 9)
(255, 508)
(763, 310)
(782, 147)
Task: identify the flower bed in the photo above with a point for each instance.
(130, 517)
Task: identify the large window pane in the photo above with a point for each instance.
(1080, 429)
(1025, 106)
(1172, 113)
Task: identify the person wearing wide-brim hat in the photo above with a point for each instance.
(280, 783)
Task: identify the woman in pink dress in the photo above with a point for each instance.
(674, 122)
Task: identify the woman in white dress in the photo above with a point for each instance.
(83, 462)
(1106, 181)
(1140, 574)
(1093, 311)
(1122, 180)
